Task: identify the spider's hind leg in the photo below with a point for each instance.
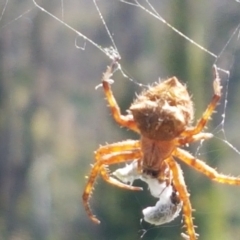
(203, 168)
(181, 188)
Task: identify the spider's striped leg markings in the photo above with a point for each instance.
(193, 138)
(108, 155)
(180, 186)
(113, 149)
(210, 109)
(123, 120)
(203, 168)
(127, 145)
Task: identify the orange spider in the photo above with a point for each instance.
(162, 115)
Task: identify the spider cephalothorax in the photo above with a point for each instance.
(162, 115)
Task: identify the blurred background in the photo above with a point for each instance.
(52, 119)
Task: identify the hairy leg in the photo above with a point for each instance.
(193, 138)
(204, 168)
(116, 148)
(210, 109)
(99, 166)
(123, 120)
(181, 188)
(115, 182)
(123, 146)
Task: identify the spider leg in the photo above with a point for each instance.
(204, 168)
(123, 120)
(194, 138)
(180, 186)
(127, 145)
(210, 109)
(104, 156)
(115, 182)
(116, 148)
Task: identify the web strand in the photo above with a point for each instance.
(153, 12)
(15, 19)
(71, 28)
(156, 15)
(112, 51)
(106, 27)
(4, 9)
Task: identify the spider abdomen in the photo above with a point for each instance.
(163, 111)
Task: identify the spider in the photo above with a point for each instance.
(162, 115)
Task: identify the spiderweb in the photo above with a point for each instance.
(92, 40)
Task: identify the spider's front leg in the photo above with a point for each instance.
(107, 155)
(123, 120)
(210, 109)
